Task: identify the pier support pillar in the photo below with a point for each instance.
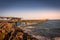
(26, 24)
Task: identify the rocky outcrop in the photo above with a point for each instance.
(14, 33)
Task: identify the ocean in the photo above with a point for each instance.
(51, 29)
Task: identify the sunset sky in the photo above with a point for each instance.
(30, 9)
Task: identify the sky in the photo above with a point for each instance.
(30, 9)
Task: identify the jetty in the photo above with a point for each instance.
(16, 20)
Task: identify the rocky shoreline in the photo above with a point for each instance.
(9, 32)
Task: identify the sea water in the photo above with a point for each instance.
(50, 28)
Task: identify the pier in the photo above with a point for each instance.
(16, 20)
